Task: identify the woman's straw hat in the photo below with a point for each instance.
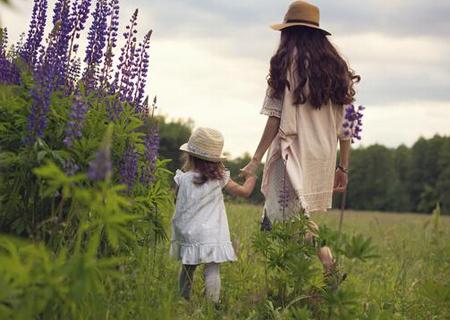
(206, 144)
(301, 13)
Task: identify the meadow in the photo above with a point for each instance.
(86, 202)
(409, 278)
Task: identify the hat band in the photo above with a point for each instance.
(302, 21)
(200, 152)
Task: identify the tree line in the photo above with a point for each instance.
(402, 179)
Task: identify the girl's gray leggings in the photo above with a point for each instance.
(212, 280)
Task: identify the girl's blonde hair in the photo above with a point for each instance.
(207, 170)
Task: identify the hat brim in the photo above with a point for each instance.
(281, 26)
(186, 149)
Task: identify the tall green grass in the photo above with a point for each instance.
(409, 280)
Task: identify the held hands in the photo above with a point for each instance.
(340, 181)
(250, 169)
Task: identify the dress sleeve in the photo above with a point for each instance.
(177, 177)
(271, 107)
(343, 130)
(226, 178)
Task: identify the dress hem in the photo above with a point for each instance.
(202, 253)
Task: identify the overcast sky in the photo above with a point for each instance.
(209, 61)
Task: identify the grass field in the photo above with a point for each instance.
(409, 280)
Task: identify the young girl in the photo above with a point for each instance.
(308, 85)
(200, 232)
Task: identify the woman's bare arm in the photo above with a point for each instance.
(344, 157)
(341, 175)
(270, 131)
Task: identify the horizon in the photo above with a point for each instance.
(205, 63)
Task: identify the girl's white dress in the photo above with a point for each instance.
(200, 231)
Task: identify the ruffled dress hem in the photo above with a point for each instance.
(192, 254)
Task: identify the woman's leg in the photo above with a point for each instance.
(186, 280)
(324, 254)
(212, 281)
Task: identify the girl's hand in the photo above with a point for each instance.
(244, 190)
(250, 169)
(340, 181)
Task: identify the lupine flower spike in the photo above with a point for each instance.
(29, 51)
(100, 168)
(111, 41)
(129, 167)
(96, 44)
(76, 120)
(284, 197)
(353, 122)
(151, 143)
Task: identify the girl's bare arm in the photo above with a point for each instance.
(244, 190)
(270, 131)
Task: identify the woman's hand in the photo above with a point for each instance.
(250, 169)
(340, 181)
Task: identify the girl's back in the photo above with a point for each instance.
(200, 210)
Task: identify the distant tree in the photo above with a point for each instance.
(173, 134)
(234, 165)
(385, 179)
(372, 180)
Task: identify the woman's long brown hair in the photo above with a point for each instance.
(321, 74)
(207, 170)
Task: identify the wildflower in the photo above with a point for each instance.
(78, 17)
(284, 197)
(76, 118)
(8, 70)
(142, 70)
(45, 76)
(96, 43)
(29, 51)
(353, 122)
(129, 168)
(151, 143)
(111, 41)
(101, 167)
(124, 78)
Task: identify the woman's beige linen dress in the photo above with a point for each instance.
(300, 165)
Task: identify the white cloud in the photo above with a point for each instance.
(404, 123)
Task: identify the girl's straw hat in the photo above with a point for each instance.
(206, 144)
(301, 13)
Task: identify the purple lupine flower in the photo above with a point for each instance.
(151, 143)
(96, 43)
(56, 55)
(284, 196)
(129, 167)
(111, 41)
(4, 62)
(9, 72)
(114, 108)
(100, 168)
(78, 16)
(45, 76)
(73, 74)
(36, 29)
(142, 70)
(57, 11)
(76, 120)
(353, 122)
(123, 81)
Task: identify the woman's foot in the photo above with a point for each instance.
(334, 276)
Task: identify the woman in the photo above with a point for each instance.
(308, 86)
